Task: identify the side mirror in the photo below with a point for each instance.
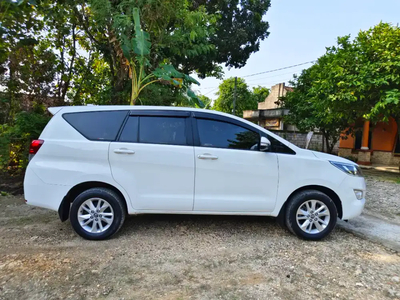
(265, 144)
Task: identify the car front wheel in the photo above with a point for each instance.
(97, 213)
(311, 215)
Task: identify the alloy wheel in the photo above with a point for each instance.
(313, 216)
(95, 215)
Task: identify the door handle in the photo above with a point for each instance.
(124, 151)
(207, 156)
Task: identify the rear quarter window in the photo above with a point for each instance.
(97, 125)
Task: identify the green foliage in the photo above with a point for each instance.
(67, 52)
(367, 72)
(260, 93)
(206, 101)
(310, 107)
(136, 51)
(353, 80)
(238, 31)
(244, 98)
(15, 139)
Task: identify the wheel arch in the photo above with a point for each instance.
(63, 210)
(335, 198)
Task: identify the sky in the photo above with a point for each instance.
(300, 31)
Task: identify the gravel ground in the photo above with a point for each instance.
(383, 195)
(186, 257)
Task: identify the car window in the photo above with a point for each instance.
(226, 135)
(278, 147)
(130, 131)
(97, 125)
(162, 130)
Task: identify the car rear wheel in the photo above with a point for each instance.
(97, 213)
(311, 215)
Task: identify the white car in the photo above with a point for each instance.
(96, 164)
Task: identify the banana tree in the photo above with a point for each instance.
(135, 53)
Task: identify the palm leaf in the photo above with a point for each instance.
(141, 42)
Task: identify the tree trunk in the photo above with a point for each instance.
(330, 143)
(11, 86)
(70, 68)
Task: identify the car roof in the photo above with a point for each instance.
(88, 108)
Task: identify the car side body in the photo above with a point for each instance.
(187, 177)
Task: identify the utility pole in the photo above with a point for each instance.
(234, 97)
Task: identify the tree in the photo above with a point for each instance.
(244, 98)
(355, 79)
(237, 34)
(309, 108)
(135, 50)
(19, 27)
(260, 93)
(371, 79)
(191, 35)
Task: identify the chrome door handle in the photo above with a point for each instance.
(207, 156)
(124, 151)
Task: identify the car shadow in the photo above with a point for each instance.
(199, 224)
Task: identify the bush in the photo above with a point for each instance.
(15, 139)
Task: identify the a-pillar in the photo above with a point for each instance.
(364, 155)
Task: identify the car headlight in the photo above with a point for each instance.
(347, 168)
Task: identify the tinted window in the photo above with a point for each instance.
(278, 147)
(225, 135)
(130, 131)
(162, 130)
(97, 125)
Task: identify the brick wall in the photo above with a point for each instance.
(299, 139)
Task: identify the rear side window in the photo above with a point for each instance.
(162, 130)
(97, 125)
(226, 135)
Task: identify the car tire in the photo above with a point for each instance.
(97, 213)
(311, 215)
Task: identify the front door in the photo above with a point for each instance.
(232, 175)
(153, 161)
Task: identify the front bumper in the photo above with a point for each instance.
(351, 206)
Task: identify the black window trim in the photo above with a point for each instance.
(161, 113)
(122, 129)
(94, 111)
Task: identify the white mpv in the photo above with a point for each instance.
(96, 164)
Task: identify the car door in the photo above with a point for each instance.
(153, 160)
(232, 175)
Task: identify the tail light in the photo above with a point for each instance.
(35, 146)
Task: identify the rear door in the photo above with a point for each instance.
(232, 175)
(153, 160)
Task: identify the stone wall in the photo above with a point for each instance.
(300, 139)
(385, 158)
(377, 157)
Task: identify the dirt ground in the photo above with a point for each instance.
(186, 257)
(383, 195)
